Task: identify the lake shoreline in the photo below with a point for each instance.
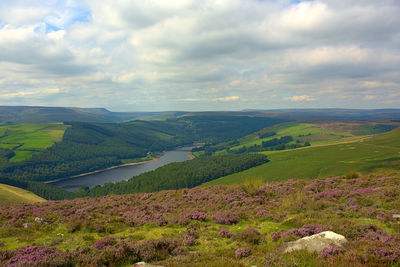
(103, 170)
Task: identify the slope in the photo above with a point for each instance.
(14, 195)
(378, 154)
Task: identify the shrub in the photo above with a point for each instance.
(225, 233)
(250, 235)
(179, 251)
(189, 240)
(330, 251)
(225, 218)
(156, 249)
(242, 253)
(37, 256)
(105, 242)
(306, 230)
(197, 215)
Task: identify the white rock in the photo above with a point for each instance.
(144, 264)
(38, 220)
(316, 242)
(396, 216)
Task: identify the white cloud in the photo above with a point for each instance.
(299, 98)
(226, 98)
(160, 51)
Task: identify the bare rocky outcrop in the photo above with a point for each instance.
(316, 242)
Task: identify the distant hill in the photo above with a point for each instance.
(329, 114)
(37, 114)
(27, 114)
(14, 195)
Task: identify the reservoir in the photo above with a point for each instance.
(124, 172)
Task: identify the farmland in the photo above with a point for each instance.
(379, 154)
(27, 139)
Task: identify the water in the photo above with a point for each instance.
(124, 173)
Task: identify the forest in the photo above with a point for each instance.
(177, 175)
(88, 147)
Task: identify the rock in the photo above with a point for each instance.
(316, 242)
(26, 225)
(396, 216)
(39, 220)
(144, 264)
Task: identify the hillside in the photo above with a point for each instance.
(215, 226)
(32, 114)
(88, 147)
(379, 153)
(14, 195)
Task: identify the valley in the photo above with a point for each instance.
(253, 185)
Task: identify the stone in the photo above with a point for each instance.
(396, 216)
(316, 242)
(26, 225)
(144, 264)
(39, 220)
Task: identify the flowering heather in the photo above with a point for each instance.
(177, 227)
(34, 256)
(330, 251)
(306, 230)
(225, 233)
(225, 218)
(197, 215)
(105, 242)
(328, 194)
(242, 253)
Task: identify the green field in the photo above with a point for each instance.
(315, 133)
(379, 154)
(14, 195)
(27, 139)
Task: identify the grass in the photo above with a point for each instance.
(381, 153)
(14, 195)
(311, 132)
(27, 139)
(286, 205)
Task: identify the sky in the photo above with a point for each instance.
(158, 55)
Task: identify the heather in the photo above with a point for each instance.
(240, 225)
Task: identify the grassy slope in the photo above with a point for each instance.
(14, 195)
(27, 139)
(284, 205)
(316, 133)
(382, 152)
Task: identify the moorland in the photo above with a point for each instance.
(259, 179)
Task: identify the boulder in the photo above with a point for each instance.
(316, 242)
(144, 264)
(396, 216)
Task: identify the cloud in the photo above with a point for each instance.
(138, 55)
(369, 97)
(299, 98)
(226, 98)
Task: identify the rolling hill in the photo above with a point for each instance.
(14, 195)
(380, 153)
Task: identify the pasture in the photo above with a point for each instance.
(380, 153)
(27, 139)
